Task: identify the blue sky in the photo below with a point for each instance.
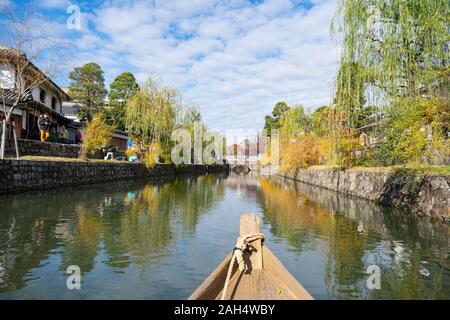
(235, 59)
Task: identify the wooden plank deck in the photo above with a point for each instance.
(258, 285)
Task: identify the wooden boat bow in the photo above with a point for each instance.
(265, 277)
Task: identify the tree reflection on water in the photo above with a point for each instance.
(132, 227)
(152, 239)
(354, 234)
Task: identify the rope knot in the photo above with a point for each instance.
(242, 244)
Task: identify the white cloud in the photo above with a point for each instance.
(272, 8)
(54, 3)
(4, 3)
(114, 20)
(233, 58)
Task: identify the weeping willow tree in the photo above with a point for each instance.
(151, 117)
(293, 122)
(395, 54)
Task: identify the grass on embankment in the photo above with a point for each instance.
(61, 159)
(418, 168)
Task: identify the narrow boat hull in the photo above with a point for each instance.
(266, 278)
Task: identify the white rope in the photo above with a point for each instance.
(242, 244)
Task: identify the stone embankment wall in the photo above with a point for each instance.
(44, 149)
(421, 194)
(23, 175)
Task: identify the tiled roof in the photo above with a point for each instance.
(10, 96)
(70, 108)
(28, 103)
(11, 53)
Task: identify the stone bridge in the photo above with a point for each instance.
(243, 163)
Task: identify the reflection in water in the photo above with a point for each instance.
(160, 239)
(354, 234)
(133, 227)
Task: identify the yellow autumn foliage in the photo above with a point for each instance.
(266, 159)
(130, 152)
(307, 150)
(97, 135)
(153, 155)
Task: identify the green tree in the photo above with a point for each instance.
(151, 117)
(321, 121)
(191, 115)
(394, 53)
(97, 135)
(273, 121)
(87, 87)
(121, 90)
(350, 98)
(279, 109)
(398, 46)
(416, 131)
(293, 122)
(189, 118)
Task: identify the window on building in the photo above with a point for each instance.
(53, 103)
(42, 96)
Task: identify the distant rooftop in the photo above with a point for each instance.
(12, 53)
(70, 109)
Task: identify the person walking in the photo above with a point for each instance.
(63, 134)
(78, 137)
(53, 134)
(43, 125)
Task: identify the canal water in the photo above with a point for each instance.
(159, 240)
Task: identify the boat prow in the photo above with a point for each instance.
(265, 278)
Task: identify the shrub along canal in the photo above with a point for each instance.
(159, 239)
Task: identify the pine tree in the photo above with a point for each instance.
(87, 87)
(121, 90)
